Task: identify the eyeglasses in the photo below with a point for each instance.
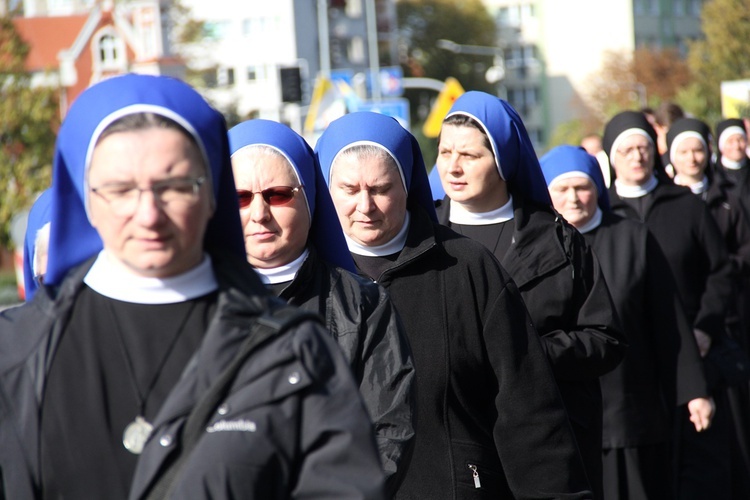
(642, 150)
(275, 196)
(123, 199)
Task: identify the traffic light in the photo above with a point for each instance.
(291, 84)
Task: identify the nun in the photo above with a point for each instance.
(490, 420)
(690, 239)
(36, 244)
(295, 243)
(731, 158)
(662, 368)
(496, 195)
(142, 368)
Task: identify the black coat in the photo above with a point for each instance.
(486, 396)
(313, 435)
(569, 304)
(361, 318)
(662, 368)
(694, 248)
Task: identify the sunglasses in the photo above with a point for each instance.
(275, 196)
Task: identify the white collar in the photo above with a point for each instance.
(593, 223)
(699, 187)
(731, 164)
(114, 281)
(394, 246)
(459, 215)
(284, 273)
(635, 191)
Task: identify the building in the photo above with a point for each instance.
(553, 49)
(74, 44)
(251, 50)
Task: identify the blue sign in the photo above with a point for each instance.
(391, 79)
(397, 108)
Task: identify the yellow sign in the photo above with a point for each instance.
(452, 90)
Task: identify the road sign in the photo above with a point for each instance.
(452, 90)
(397, 108)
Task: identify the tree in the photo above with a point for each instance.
(421, 24)
(631, 80)
(722, 54)
(29, 117)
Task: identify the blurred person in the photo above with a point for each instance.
(490, 421)
(689, 142)
(665, 115)
(687, 234)
(36, 244)
(497, 195)
(732, 160)
(148, 363)
(662, 368)
(592, 143)
(295, 243)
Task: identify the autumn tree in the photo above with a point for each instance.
(721, 55)
(29, 117)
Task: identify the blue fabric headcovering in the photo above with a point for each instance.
(72, 238)
(39, 215)
(374, 128)
(514, 153)
(325, 230)
(438, 193)
(564, 159)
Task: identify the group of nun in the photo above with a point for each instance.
(494, 348)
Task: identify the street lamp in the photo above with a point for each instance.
(495, 73)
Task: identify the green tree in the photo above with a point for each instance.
(722, 54)
(29, 117)
(421, 24)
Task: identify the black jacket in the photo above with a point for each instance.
(733, 223)
(662, 368)
(313, 436)
(486, 396)
(693, 246)
(360, 316)
(569, 304)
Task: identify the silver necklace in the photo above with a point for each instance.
(138, 431)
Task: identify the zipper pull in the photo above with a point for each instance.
(475, 475)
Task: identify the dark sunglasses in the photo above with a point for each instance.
(274, 196)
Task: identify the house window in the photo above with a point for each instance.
(225, 77)
(354, 8)
(108, 51)
(695, 8)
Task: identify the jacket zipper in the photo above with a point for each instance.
(475, 475)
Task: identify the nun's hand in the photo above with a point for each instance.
(703, 340)
(701, 412)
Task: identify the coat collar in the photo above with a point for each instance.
(533, 253)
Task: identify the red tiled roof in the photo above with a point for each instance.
(47, 36)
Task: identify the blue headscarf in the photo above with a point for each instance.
(72, 238)
(436, 185)
(566, 159)
(325, 230)
(39, 215)
(366, 127)
(514, 154)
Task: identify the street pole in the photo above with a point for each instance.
(374, 56)
(323, 39)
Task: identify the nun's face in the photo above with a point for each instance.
(369, 197)
(276, 228)
(158, 232)
(575, 199)
(689, 158)
(468, 170)
(634, 160)
(733, 148)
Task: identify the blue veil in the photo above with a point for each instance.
(39, 215)
(374, 128)
(565, 159)
(72, 238)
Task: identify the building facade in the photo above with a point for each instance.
(553, 49)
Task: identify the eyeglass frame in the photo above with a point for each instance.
(196, 183)
(294, 191)
(644, 151)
